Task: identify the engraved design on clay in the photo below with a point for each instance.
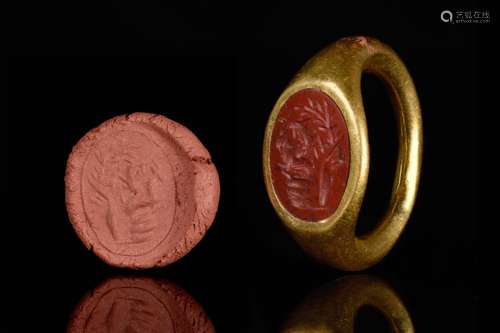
(126, 188)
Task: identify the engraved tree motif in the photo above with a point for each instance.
(122, 182)
(310, 154)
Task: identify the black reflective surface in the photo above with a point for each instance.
(218, 69)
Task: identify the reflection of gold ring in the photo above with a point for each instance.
(316, 153)
(333, 308)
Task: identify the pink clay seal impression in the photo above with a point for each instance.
(141, 190)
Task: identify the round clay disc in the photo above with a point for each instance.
(141, 190)
(139, 305)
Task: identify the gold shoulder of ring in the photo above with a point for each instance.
(316, 153)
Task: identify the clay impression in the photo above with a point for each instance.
(141, 190)
(310, 155)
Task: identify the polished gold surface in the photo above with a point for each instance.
(333, 308)
(337, 71)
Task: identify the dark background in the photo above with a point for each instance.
(218, 68)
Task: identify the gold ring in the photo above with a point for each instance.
(316, 153)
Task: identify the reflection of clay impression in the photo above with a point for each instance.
(141, 190)
(139, 305)
(310, 155)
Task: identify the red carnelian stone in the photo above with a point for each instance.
(310, 155)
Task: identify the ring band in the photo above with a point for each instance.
(316, 153)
